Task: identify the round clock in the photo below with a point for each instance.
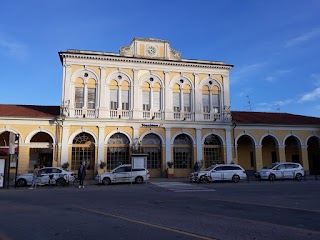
(151, 50)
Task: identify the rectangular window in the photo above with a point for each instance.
(146, 100)
(91, 98)
(156, 101)
(215, 103)
(176, 102)
(187, 102)
(113, 99)
(125, 99)
(79, 95)
(205, 103)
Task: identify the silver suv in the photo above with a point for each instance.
(219, 172)
(123, 173)
(285, 170)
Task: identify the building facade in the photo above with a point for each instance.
(148, 99)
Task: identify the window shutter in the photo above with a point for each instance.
(146, 100)
(91, 98)
(156, 101)
(176, 102)
(79, 92)
(205, 102)
(215, 102)
(187, 102)
(114, 99)
(125, 99)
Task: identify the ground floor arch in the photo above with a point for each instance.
(314, 155)
(212, 150)
(151, 144)
(292, 150)
(270, 153)
(246, 152)
(41, 150)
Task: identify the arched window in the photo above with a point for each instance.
(118, 151)
(114, 95)
(182, 151)
(151, 144)
(83, 151)
(212, 151)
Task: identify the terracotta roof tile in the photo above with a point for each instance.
(273, 118)
(33, 111)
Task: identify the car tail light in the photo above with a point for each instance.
(71, 174)
(301, 168)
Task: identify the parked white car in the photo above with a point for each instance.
(285, 170)
(219, 172)
(56, 175)
(123, 173)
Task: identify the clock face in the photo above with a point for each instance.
(151, 50)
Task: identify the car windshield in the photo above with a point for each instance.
(269, 166)
(210, 168)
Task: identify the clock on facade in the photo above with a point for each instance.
(151, 50)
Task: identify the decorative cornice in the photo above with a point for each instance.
(183, 63)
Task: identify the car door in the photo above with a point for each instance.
(279, 171)
(227, 173)
(44, 175)
(216, 174)
(288, 171)
(120, 174)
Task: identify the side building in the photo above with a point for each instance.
(148, 99)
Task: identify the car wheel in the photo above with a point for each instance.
(203, 179)
(61, 182)
(139, 180)
(272, 177)
(106, 181)
(235, 178)
(299, 177)
(21, 182)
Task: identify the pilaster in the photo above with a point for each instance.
(305, 158)
(64, 144)
(258, 156)
(199, 145)
(228, 146)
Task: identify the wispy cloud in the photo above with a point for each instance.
(277, 75)
(13, 48)
(302, 38)
(315, 77)
(241, 73)
(311, 96)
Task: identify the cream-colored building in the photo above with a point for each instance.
(149, 99)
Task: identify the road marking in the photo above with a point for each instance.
(145, 223)
(182, 187)
(266, 205)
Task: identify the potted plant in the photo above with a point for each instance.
(170, 170)
(65, 165)
(102, 166)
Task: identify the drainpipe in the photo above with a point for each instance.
(234, 139)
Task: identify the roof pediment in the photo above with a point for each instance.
(150, 48)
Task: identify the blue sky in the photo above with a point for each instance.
(273, 45)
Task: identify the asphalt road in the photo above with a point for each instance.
(163, 210)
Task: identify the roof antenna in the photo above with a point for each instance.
(278, 108)
(249, 104)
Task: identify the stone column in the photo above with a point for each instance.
(102, 94)
(282, 153)
(305, 158)
(100, 146)
(198, 144)
(64, 145)
(228, 145)
(167, 97)
(135, 97)
(258, 157)
(168, 145)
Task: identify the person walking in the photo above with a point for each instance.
(196, 167)
(81, 175)
(34, 177)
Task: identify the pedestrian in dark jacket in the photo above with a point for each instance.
(81, 174)
(196, 167)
